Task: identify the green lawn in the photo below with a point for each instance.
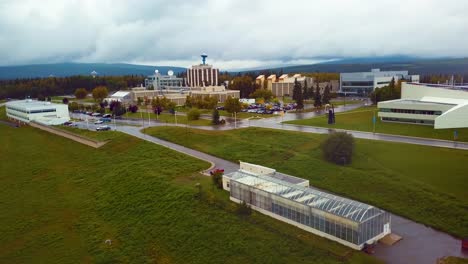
(426, 184)
(361, 119)
(61, 200)
(58, 99)
(169, 118)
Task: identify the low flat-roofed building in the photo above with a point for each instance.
(46, 113)
(441, 106)
(363, 83)
(120, 96)
(290, 199)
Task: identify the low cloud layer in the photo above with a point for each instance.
(235, 33)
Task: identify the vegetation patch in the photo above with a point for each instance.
(61, 201)
(425, 184)
(361, 120)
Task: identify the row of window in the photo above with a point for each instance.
(16, 115)
(358, 84)
(32, 111)
(415, 121)
(410, 111)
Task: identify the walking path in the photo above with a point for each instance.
(420, 244)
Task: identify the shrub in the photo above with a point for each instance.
(133, 108)
(217, 178)
(193, 114)
(338, 148)
(81, 93)
(243, 209)
(65, 100)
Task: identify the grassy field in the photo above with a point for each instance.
(426, 184)
(361, 119)
(169, 118)
(61, 200)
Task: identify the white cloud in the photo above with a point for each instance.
(235, 33)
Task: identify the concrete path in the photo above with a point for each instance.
(215, 162)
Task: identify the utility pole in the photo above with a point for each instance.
(235, 119)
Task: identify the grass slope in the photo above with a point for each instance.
(61, 200)
(425, 184)
(361, 119)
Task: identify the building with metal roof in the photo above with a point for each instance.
(291, 200)
(441, 106)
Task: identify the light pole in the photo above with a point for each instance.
(235, 119)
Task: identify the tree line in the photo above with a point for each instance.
(46, 87)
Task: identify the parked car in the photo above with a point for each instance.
(103, 128)
(107, 115)
(88, 113)
(105, 119)
(96, 114)
(220, 108)
(98, 122)
(67, 123)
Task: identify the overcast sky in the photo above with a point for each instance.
(234, 33)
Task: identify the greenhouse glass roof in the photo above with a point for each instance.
(333, 204)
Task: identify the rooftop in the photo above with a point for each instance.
(333, 204)
(30, 104)
(462, 87)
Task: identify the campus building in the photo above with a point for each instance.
(124, 97)
(441, 106)
(290, 199)
(284, 85)
(363, 83)
(159, 81)
(202, 74)
(45, 113)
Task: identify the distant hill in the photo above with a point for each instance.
(70, 69)
(414, 66)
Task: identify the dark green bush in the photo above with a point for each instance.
(338, 148)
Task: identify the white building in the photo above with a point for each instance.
(442, 106)
(159, 81)
(120, 96)
(45, 113)
(363, 83)
(291, 200)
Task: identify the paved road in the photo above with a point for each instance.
(420, 244)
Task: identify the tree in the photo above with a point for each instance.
(65, 100)
(113, 104)
(243, 209)
(41, 97)
(73, 106)
(188, 101)
(133, 108)
(298, 95)
(49, 99)
(81, 93)
(215, 117)
(326, 95)
(317, 97)
(193, 114)
(262, 93)
(99, 93)
(117, 108)
(305, 93)
(338, 148)
(139, 100)
(232, 105)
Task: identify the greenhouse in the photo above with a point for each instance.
(343, 220)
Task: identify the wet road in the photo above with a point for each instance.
(420, 244)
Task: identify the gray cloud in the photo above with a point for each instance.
(235, 33)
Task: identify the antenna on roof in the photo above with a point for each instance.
(204, 56)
